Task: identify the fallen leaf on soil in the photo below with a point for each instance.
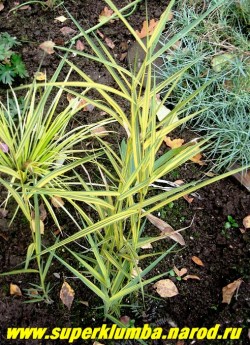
(47, 46)
(57, 275)
(166, 229)
(173, 144)
(15, 290)
(33, 226)
(147, 246)
(229, 290)
(3, 212)
(109, 43)
(80, 104)
(197, 260)
(67, 294)
(147, 29)
(246, 222)
(181, 272)
(100, 131)
(43, 212)
(40, 76)
(79, 46)
(166, 288)
(97, 343)
(1, 6)
(61, 19)
(57, 201)
(105, 14)
(191, 276)
(66, 30)
(197, 159)
(86, 303)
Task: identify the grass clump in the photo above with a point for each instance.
(220, 44)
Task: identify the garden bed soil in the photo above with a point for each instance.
(225, 254)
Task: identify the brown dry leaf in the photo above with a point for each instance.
(100, 131)
(47, 46)
(60, 19)
(57, 201)
(166, 229)
(191, 276)
(229, 290)
(181, 272)
(67, 294)
(197, 159)
(197, 260)
(43, 212)
(147, 29)
(66, 31)
(15, 290)
(105, 14)
(86, 303)
(173, 144)
(166, 288)
(1, 6)
(109, 43)
(188, 199)
(246, 222)
(81, 103)
(79, 46)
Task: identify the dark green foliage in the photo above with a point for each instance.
(11, 64)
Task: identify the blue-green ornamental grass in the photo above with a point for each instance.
(221, 45)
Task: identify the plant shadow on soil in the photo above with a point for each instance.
(225, 257)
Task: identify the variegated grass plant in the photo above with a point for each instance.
(38, 149)
(110, 265)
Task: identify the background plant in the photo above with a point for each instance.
(220, 44)
(11, 64)
(111, 264)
